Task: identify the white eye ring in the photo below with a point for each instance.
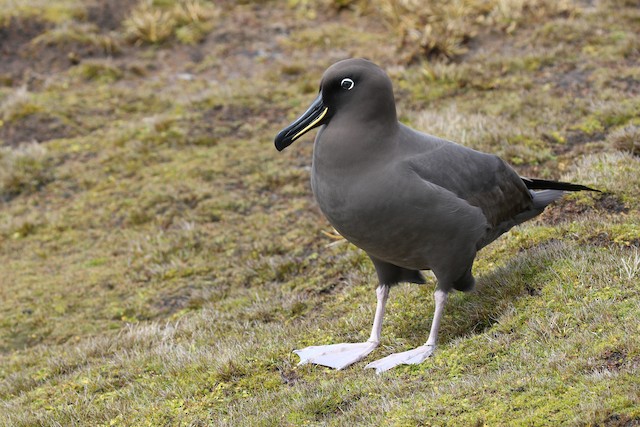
(347, 84)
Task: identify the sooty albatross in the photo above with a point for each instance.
(410, 200)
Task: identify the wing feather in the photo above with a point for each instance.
(482, 180)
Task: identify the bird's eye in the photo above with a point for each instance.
(347, 84)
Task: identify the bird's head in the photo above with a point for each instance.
(355, 90)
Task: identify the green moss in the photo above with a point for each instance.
(21, 109)
(619, 112)
(192, 33)
(159, 266)
(58, 11)
(590, 126)
(99, 71)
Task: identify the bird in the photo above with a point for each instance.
(410, 200)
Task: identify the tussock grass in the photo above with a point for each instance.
(149, 24)
(445, 28)
(188, 20)
(626, 139)
(72, 33)
(24, 169)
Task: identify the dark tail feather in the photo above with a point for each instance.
(543, 184)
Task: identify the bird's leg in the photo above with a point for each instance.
(339, 356)
(417, 355)
(382, 295)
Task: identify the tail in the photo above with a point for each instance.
(543, 184)
(550, 191)
(543, 193)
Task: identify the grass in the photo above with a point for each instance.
(445, 29)
(159, 260)
(188, 20)
(59, 11)
(24, 170)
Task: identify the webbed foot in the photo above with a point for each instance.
(337, 356)
(411, 357)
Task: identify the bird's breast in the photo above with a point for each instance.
(369, 211)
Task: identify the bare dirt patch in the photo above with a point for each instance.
(28, 60)
(15, 38)
(109, 14)
(621, 421)
(569, 209)
(37, 127)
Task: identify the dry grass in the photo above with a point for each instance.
(444, 29)
(149, 24)
(24, 169)
(79, 34)
(504, 135)
(188, 20)
(626, 139)
(631, 266)
(608, 171)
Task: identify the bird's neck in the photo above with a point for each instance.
(343, 147)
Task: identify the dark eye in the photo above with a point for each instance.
(347, 84)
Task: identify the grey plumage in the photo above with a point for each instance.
(412, 201)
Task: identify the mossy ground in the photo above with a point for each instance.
(159, 260)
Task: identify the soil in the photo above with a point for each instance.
(568, 209)
(35, 127)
